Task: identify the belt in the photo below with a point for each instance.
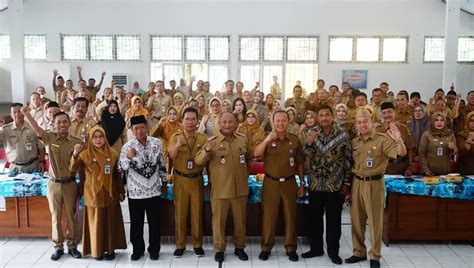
(369, 178)
(63, 181)
(188, 175)
(26, 163)
(280, 179)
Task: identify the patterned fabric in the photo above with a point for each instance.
(330, 159)
(146, 170)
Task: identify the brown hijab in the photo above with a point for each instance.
(465, 132)
(445, 131)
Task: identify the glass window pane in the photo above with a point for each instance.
(394, 49)
(195, 48)
(367, 49)
(273, 48)
(434, 49)
(198, 70)
(249, 74)
(156, 71)
(306, 74)
(250, 48)
(340, 49)
(302, 48)
(219, 48)
(218, 75)
(74, 47)
(4, 47)
(166, 48)
(128, 47)
(268, 72)
(35, 47)
(173, 71)
(466, 49)
(101, 47)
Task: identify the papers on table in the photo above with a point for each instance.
(469, 177)
(20, 176)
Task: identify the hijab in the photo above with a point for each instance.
(418, 126)
(113, 124)
(445, 131)
(132, 112)
(465, 132)
(170, 128)
(245, 125)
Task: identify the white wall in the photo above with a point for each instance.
(321, 17)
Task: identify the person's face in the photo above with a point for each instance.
(470, 98)
(239, 86)
(51, 112)
(297, 92)
(344, 88)
(439, 122)
(377, 97)
(309, 120)
(325, 118)
(227, 123)
(251, 119)
(182, 82)
(108, 94)
(418, 113)
(190, 121)
(113, 109)
(178, 100)
(246, 96)
(337, 98)
(199, 84)
(321, 95)
(62, 123)
(35, 100)
(364, 125)
(205, 87)
(15, 113)
(136, 86)
(320, 84)
(172, 115)
(81, 84)
(384, 88)
(80, 109)
(201, 101)
(280, 122)
(226, 106)
(72, 95)
(471, 123)
(275, 79)
(341, 114)
(450, 99)
(291, 114)
(416, 101)
(215, 107)
(194, 104)
(276, 106)
(121, 94)
(360, 101)
(439, 95)
(151, 86)
(257, 97)
(60, 82)
(270, 99)
(388, 115)
(173, 84)
(229, 86)
(440, 105)
(402, 101)
(140, 131)
(159, 87)
(91, 83)
(98, 139)
(69, 84)
(137, 104)
(41, 91)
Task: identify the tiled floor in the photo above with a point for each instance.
(35, 252)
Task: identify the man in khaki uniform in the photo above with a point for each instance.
(37, 110)
(58, 85)
(62, 187)
(403, 112)
(282, 154)
(371, 152)
(188, 184)
(298, 103)
(158, 104)
(91, 88)
(24, 150)
(228, 155)
(80, 124)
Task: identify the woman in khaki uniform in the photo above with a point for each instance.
(103, 191)
(293, 127)
(437, 145)
(465, 141)
(251, 128)
(210, 122)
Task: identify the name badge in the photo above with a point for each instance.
(292, 161)
(29, 147)
(83, 137)
(369, 163)
(222, 160)
(107, 169)
(242, 159)
(163, 109)
(190, 164)
(439, 151)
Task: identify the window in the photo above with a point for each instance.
(305, 73)
(101, 47)
(74, 47)
(434, 49)
(218, 76)
(273, 48)
(340, 48)
(466, 49)
(219, 48)
(394, 49)
(249, 48)
(302, 49)
(4, 47)
(168, 48)
(367, 49)
(196, 48)
(35, 47)
(249, 74)
(128, 47)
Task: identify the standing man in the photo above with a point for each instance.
(58, 85)
(188, 184)
(229, 91)
(91, 87)
(62, 187)
(329, 149)
(228, 156)
(282, 155)
(377, 97)
(37, 110)
(158, 104)
(298, 102)
(80, 124)
(371, 152)
(403, 112)
(24, 150)
(142, 160)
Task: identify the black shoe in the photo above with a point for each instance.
(219, 257)
(374, 264)
(154, 256)
(336, 260)
(178, 253)
(57, 254)
(199, 252)
(354, 259)
(292, 256)
(264, 255)
(136, 256)
(74, 253)
(311, 254)
(241, 254)
(109, 256)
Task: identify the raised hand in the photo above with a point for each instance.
(312, 136)
(271, 136)
(25, 109)
(77, 149)
(394, 133)
(131, 153)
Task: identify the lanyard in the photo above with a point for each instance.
(187, 145)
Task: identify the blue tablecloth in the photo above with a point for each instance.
(19, 187)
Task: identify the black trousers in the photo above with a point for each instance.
(137, 208)
(331, 203)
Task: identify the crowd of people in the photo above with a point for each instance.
(131, 143)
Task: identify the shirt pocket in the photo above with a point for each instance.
(12, 141)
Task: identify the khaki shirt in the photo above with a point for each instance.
(21, 145)
(80, 128)
(282, 157)
(59, 151)
(229, 161)
(58, 91)
(403, 117)
(158, 104)
(377, 112)
(37, 113)
(180, 163)
(434, 153)
(401, 164)
(379, 147)
(299, 106)
(231, 97)
(146, 96)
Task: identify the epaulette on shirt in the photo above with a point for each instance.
(211, 138)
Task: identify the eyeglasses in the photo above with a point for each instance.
(418, 110)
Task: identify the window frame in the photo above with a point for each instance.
(45, 48)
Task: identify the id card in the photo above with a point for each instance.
(190, 164)
(369, 163)
(439, 151)
(163, 109)
(292, 161)
(83, 137)
(29, 147)
(107, 169)
(242, 159)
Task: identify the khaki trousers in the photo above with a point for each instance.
(220, 208)
(188, 198)
(63, 196)
(367, 204)
(274, 194)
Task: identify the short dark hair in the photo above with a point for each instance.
(334, 86)
(439, 89)
(191, 110)
(91, 79)
(358, 94)
(280, 112)
(16, 104)
(469, 93)
(346, 83)
(384, 84)
(415, 94)
(377, 89)
(59, 114)
(403, 93)
(324, 107)
(79, 99)
(229, 81)
(60, 77)
(297, 86)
